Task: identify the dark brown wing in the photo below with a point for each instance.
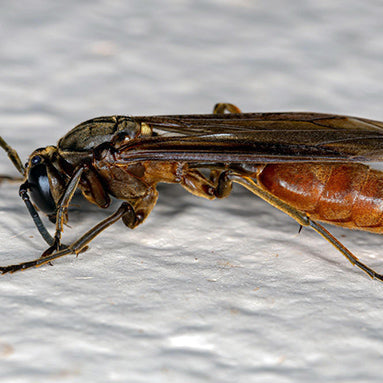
(257, 137)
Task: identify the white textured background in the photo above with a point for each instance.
(222, 291)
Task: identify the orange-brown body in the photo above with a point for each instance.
(310, 166)
(350, 195)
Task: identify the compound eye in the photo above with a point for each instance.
(39, 186)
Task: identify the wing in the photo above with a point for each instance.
(257, 137)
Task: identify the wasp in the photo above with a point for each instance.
(314, 167)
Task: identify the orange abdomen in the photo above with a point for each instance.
(350, 195)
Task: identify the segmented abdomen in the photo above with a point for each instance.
(346, 194)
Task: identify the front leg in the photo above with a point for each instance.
(62, 209)
(93, 190)
(78, 246)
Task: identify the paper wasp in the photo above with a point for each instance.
(312, 166)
